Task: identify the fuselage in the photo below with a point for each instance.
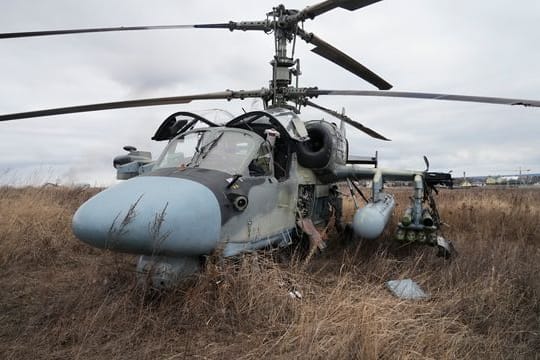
(227, 189)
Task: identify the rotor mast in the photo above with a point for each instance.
(284, 67)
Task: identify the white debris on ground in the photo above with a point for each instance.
(291, 289)
(295, 294)
(406, 289)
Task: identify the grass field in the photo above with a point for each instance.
(60, 299)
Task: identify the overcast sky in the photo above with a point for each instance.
(481, 47)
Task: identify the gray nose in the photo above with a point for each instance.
(151, 215)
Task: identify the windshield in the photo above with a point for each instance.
(227, 151)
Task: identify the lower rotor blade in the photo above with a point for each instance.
(109, 29)
(338, 57)
(349, 121)
(135, 103)
(431, 96)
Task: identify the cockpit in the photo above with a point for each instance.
(238, 147)
(233, 151)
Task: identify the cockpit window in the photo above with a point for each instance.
(227, 151)
(179, 151)
(261, 165)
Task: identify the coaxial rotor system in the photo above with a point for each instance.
(286, 25)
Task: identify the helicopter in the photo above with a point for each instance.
(259, 179)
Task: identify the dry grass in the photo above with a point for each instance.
(62, 299)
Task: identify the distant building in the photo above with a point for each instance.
(508, 180)
(490, 180)
(465, 183)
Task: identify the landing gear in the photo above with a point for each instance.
(162, 272)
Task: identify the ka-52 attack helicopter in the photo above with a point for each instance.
(259, 180)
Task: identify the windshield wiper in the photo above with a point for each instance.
(205, 149)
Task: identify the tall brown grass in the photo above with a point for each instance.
(60, 299)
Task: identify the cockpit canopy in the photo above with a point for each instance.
(237, 147)
(283, 120)
(224, 149)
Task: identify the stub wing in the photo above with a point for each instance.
(360, 172)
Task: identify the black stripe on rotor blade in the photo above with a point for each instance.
(349, 121)
(356, 4)
(108, 29)
(338, 57)
(431, 96)
(132, 104)
(315, 10)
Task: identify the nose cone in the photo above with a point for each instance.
(151, 215)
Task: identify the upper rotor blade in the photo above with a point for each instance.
(432, 96)
(349, 121)
(338, 57)
(109, 29)
(135, 103)
(315, 10)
